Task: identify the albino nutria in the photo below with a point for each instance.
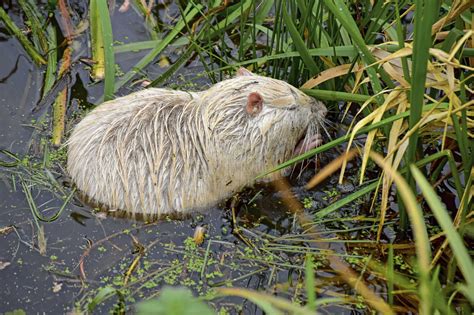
(159, 151)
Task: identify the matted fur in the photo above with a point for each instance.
(159, 151)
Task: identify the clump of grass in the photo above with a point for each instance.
(34, 176)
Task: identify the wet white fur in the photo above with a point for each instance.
(159, 151)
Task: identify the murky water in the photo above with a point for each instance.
(86, 251)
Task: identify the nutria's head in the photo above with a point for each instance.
(258, 121)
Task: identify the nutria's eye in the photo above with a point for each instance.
(295, 94)
(292, 107)
(283, 102)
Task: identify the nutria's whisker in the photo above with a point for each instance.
(327, 122)
(326, 131)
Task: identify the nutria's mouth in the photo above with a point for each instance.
(307, 143)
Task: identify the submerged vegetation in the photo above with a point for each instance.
(397, 78)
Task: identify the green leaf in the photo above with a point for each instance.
(425, 14)
(174, 301)
(107, 36)
(103, 294)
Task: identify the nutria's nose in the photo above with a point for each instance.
(319, 108)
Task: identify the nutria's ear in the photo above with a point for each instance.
(243, 72)
(254, 104)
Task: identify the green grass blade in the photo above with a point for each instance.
(150, 20)
(401, 41)
(263, 9)
(425, 14)
(346, 200)
(103, 294)
(268, 303)
(340, 51)
(468, 52)
(15, 31)
(35, 20)
(107, 35)
(390, 274)
(325, 95)
(444, 220)
(147, 44)
(439, 300)
(300, 44)
(236, 11)
(49, 77)
(97, 42)
(310, 283)
(466, 145)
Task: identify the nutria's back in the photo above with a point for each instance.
(159, 151)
